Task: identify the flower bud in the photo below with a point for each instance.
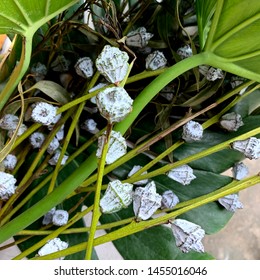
(55, 158)
(7, 185)
(187, 235)
(184, 52)
(52, 246)
(21, 131)
(240, 171)
(146, 201)
(84, 67)
(10, 162)
(231, 202)
(169, 200)
(60, 218)
(211, 73)
(231, 121)
(90, 125)
(44, 113)
(138, 38)
(36, 139)
(9, 122)
(182, 174)
(47, 219)
(155, 61)
(192, 131)
(116, 197)
(236, 81)
(249, 147)
(53, 146)
(60, 134)
(133, 171)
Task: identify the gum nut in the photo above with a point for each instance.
(231, 202)
(84, 67)
(184, 52)
(90, 125)
(240, 171)
(47, 219)
(60, 217)
(116, 197)
(53, 146)
(138, 38)
(21, 131)
(44, 113)
(55, 158)
(9, 122)
(146, 201)
(60, 64)
(169, 200)
(36, 139)
(60, 134)
(53, 245)
(7, 185)
(133, 171)
(249, 147)
(214, 74)
(231, 121)
(114, 104)
(182, 174)
(112, 64)
(39, 71)
(10, 162)
(117, 147)
(155, 61)
(192, 131)
(187, 235)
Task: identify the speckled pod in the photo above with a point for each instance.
(36, 139)
(84, 67)
(47, 218)
(192, 131)
(249, 147)
(138, 38)
(211, 73)
(184, 52)
(231, 202)
(187, 235)
(9, 122)
(55, 158)
(10, 162)
(182, 174)
(116, 197)
(231, 121)
(53, 245)
(7, 185)
(43, 113)
(146, 201)
(90, 125)
(240, 171)
(60, 218)
(169, 200)
(112, 64)
(133, 171)
(155, 61)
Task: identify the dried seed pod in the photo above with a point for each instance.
(44, 113)
(7, 185)
(146, 201)
(55, 158)
(53, 245)
(231, 121)
(36, 139)
(9, 122)
(60, 64)
(114, 104)
(60, 217)
(169, 199)
(138, 38)
(231, 202)
(90, 125)
(116, 197)
(112, 64)
(10, 162)
(84, 67)
(39, 71)
(184, 52)
(249, 147)
(187, 235)
(47, 219)
(182, 174)
(192, 131)
(155, 61)
(133, 171)
(240, 171)
(117, 146)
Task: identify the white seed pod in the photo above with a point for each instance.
(192, 131)
(182, 174)
(60, 64)
(53, 146)
(55, 158)
(169, 200)
(117, 146)
(60, 218)
(112, 64)
(44, 113)
(10, 162)
(240, 171)
(60, 134)
(54, 121)
(117, 196)
(231, 202)
(155, 61)
(36, 139)
(21, 131)
(146, 201)
(84, 67)
(47, 218)
(138, 38)
(9, 122)
(7, 185)
(214, 74)
(231, 121)
(133, 171)
(187, 235)
(39, 71)
(236, 81)
(98, 86)
(52, 246)
(184, 52)
(249, 147)
(114, 104)
(90, 125)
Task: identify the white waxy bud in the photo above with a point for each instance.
(192, 131)
(39, 71)
(60, 64)
(182, 174)
(236, 81)
(117, 196)
(54, 121)
(10, 162)
(7, 185)
(112, 64)
(187, 235)
(169, 200)
(249, 147)
(84, 67)
(21, 131)
(60, 218)
(240, 171)
(133, 171)
(155, 61)
(90, 125)
(138, 38)
(60, 134)
(146, 201)
(52, 246)
(47, 219)
(36, 139)
(9, 122)
(114, 103)
(98, 86)
(231, 202)
(117, 147)
(53, 146)
(231, 121)
(55, 158)
(214, 74)
(184, 52)
(44, 113)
